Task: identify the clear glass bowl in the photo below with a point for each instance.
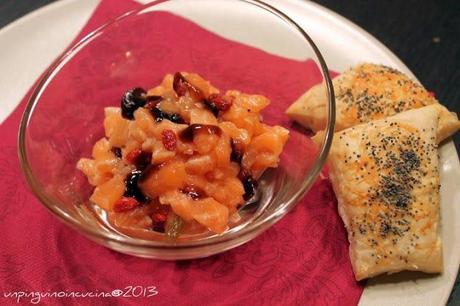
(64, 116)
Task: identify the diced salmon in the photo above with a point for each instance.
(136, 218)
(106, 167)
(165, 90)
(185, 148)
(222, 151)
(264, 150)
(101, 168)
(207, 212)
(200, 164)
(197, 175)
(159, 127)
(165, 178)
(211, 214)
(240, 135)
(116, 127)
(180, 203)
(88, 167)
(101, 150)
(253, 103)
(130, 146)
(160, 154)
(144, 121)
(200, 83)
(228, 191)
(198, 181)
(171, 106)
(242, 118)
(106, 194)
(205, 142)
(136, 134)
(271, 141)
(202, 116)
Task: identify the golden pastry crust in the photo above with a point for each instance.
(385, 176)
(448, 123)
(364, 93)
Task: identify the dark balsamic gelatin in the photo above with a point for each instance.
(131, 186)
(237, 152)
(188, 134)
(154, 108)
(217, 103)
(140, 159)
(116, 151)
(249, 184)
(194, 192)
(181, 86)
(132, 100)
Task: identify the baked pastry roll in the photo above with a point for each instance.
(385, 176)
(364, 93)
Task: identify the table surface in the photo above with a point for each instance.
(425, 35)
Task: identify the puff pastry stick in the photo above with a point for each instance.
(364, 93)
(385, 176)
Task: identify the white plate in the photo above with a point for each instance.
(38, 38)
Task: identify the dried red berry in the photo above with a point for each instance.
(169, 139)
(133, 155)
(432, 94)
(217, 103)
(159, 217)
(139, 158)
(159, 221)
(125, 204)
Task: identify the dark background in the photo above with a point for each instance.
(424, 34)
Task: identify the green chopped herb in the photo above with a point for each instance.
(173, 226)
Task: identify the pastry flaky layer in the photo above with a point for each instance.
(383, 166)
(364, 93)
(385, 176)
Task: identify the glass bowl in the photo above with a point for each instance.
(236, 44)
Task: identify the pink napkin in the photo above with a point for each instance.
(301, 260)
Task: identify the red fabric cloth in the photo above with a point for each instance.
(302, 260)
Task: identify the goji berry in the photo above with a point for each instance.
(125, 204)
(169, 139)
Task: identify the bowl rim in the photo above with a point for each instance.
(251, 230)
